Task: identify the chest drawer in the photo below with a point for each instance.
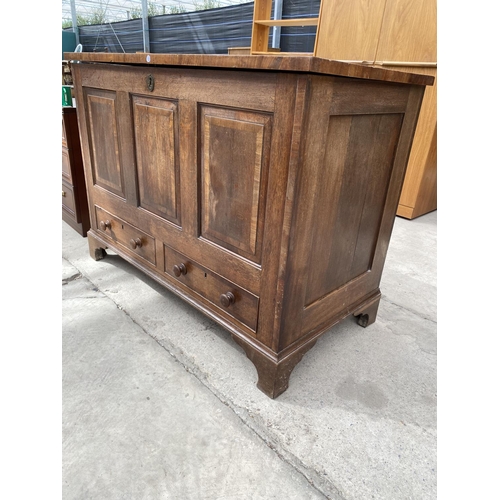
(66, 165)
(225, 295)
(68, 199)
(127, 235)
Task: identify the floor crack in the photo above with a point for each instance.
(73, 277)
(416, 313)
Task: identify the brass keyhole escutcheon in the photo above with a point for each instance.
(150, 82)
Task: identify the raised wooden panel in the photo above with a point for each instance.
(349, 29)
(104, 140)
(409, 32)
(359, 156)
(155, 129)
(234, 160)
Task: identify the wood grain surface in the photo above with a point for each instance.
(265, 62)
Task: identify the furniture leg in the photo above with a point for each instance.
(95, 248)
(368, 313)
(273, 376)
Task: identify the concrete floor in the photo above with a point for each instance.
(160, 403)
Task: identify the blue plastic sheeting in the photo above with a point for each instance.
(202, 32)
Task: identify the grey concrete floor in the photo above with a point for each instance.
(159, 402)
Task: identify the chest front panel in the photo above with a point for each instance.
(189, 163)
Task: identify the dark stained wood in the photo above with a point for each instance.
(75, 208)
(156, 142)
(264, 195)
(237, 302)
(273, 374)
(127, 235)
(234, 159)
(66, 164)
(303, 64)
(135, 243)
(68, 199)
(368, 313)
(352, 218)
(103, 132)
(97, 250)
(227, 299)
(179, 269)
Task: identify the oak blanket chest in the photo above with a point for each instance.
(261, 189)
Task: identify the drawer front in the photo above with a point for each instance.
(68, 199)
(233, 300)
(126, 234)
(66, 167)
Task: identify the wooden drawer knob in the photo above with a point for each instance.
(64, 193)
(105, 224)
(226, 299)
(136, 242)
(179, 269)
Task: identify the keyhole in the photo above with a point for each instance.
(150, 82)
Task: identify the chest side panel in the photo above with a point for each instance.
(353, 162)
(350, 200)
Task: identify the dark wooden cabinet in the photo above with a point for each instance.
(262, 190)
(75, 209)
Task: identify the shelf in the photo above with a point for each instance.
(263, 23)
(306, 21)
(270, 53)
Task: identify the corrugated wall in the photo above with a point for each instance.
(203, 32)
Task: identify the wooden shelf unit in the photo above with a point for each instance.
(262, 22)
(394, 34)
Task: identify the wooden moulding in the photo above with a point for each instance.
(271, 62)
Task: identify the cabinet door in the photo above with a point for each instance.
(349, 29)
(409, 32)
